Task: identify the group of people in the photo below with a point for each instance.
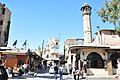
(56, 69)
(4, 74)
(78, 71)
(18, 69)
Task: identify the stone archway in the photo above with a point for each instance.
(95, 60)
(114, 58)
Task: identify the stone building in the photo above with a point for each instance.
(5, 15)
(52, 51)
(49, 53)
(100, 53)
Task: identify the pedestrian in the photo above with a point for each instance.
(82, 67)
(70, 69)
(118, 68)
(3, 72)
(85, 68)
(78, 73)
(9, 72)
(55, 71)
(19, 70)
(61, 72)
(25, 68)
(74, 73)
(81, 64)
(12, 72)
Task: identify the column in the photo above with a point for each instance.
(69, 59)
(79, 63)
(73, 61)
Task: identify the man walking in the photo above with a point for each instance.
(55, 71)
(61, 72)
(3, 73)
(25, 68)
(70, 69)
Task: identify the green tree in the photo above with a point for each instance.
(110, 12)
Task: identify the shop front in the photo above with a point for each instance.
(12, 59)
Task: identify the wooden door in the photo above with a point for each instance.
(10, 62)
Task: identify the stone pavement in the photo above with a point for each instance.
(44, 75)
(101, 77)
(47, 76)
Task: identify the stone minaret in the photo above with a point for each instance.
(86, 13)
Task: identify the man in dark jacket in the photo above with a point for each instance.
(55, 72)
(3, 73)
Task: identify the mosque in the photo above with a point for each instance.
(100, 54)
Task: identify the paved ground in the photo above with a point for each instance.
(44, 75)
(47, 76)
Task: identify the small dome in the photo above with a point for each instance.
(86, 4)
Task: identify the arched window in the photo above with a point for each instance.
(114, 58)
(94, 60)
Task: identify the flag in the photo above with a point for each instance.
(24, 43)
(15, 43)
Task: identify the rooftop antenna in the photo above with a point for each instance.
(59, 36)
(42, 48)
(99, 41)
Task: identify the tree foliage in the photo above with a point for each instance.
(110, 12)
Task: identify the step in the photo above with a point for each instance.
(97, 71)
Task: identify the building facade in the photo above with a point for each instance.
(5, 15)
(14, 56)
(52, 51)
(49, 53)
(100, 53)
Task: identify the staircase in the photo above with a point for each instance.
(97, 71)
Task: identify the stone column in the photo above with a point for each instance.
(74, 60)
(69, 60)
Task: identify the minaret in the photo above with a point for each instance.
(86, 13)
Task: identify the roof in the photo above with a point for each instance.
(94, 46)
(17, 51)
(105, 30)
(5, 48)
(12, 52)
(89, 46)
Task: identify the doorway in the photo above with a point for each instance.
(94, 60)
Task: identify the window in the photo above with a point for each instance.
(3, 12)
(1, 22)
(56, 56)
(56, 43)
(47, 56)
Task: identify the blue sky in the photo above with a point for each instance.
(38, 20)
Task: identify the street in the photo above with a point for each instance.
(40, 76)
(47, 76)
(44, 75)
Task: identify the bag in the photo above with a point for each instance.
(78, 71)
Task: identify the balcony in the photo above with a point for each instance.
(54, 51)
